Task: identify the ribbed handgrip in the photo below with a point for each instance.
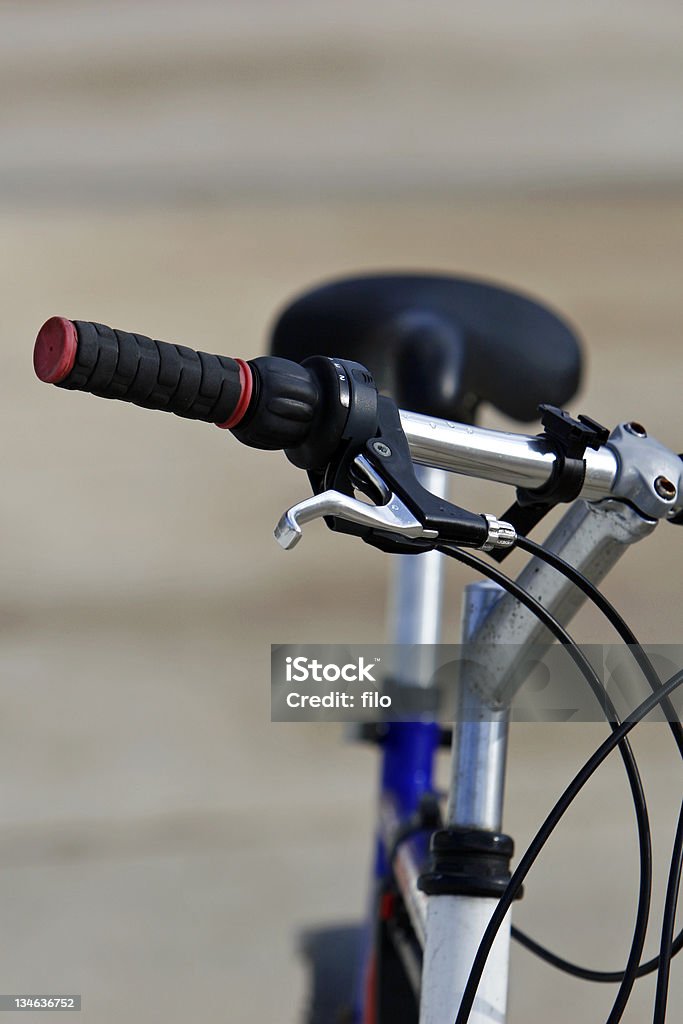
(83, 356)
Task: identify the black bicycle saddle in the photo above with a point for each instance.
(439, 345)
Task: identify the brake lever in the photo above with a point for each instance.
(370, 453)
(392, 515)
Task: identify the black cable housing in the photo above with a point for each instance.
(648, 670)
(644, 842)
(541, 837)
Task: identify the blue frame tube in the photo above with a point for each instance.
(407, 772)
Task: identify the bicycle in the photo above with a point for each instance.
(436, 946)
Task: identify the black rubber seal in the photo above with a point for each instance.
(467, 862)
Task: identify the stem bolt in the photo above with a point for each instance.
(637, 429)
(665, 488)
(382, 449)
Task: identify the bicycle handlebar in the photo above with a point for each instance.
(274, 403)
(521, 460)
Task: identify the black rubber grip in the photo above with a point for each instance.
(267, 403)
(154, 374)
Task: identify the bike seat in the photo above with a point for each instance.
(438, 345)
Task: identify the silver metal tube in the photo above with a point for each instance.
(414, 622)
(522, 460)
(455, 924)
(417, 598)
(590, 536)
(480, 735)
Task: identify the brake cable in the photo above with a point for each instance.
(645, 851)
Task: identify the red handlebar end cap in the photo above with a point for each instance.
(55, 352)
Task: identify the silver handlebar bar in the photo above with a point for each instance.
(630, 467)
(522, 460)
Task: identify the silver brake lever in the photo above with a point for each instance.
(391, 514)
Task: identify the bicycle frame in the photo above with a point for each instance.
(591, 536)
(620, 484)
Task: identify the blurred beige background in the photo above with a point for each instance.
(182, 170)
